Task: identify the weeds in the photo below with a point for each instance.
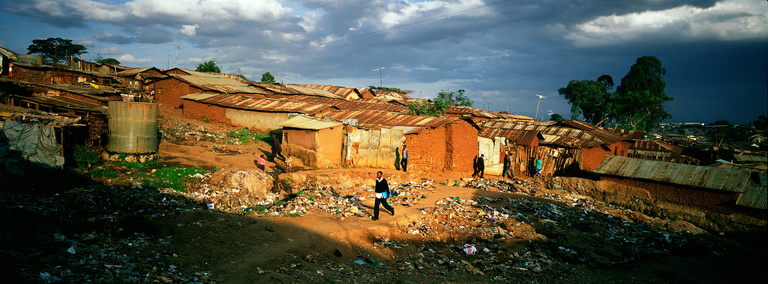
(244, 136)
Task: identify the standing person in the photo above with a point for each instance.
(404, 159)
(480, 166)
(382, 193)
(510, 169)
(263, 163)
(277, 149)
(538, 167)
(288, 162)
(505, 165)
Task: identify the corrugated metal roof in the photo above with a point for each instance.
(655, 146)
(627, 134)
(373, 118)
(281, 89)
(304, 122)
(519, 137)
(218, 83)
(742, 158)
(476, 112)
(755, 196)
(65, 102)
(390, 95)
(349, 105)
(734, 180)
(344, 92)
(257, 104)
(602, 135)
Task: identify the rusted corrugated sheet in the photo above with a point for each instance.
(655, 146)
(257, 104)
(734, 180)
(741, 158)
(344, 92)
(64, 102)
(460, 110)
(348, 105)
(604, 136)
(519, 137)
(627, 134)
(366, 118)
(755, 196)
(304, 122)
(218, 83)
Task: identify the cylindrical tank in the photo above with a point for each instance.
(132, 127)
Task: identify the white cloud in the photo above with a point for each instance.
(127, 58)
(407, 12)
(107, 51)
(727, 20)
(189, 30)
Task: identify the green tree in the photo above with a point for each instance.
(761, 123)
(209, 66)
(55, 50)
(454, 97)
(590, 99)
(110, 61)
(640, 98)
(556, 117)
(429, 108)
(267, 78)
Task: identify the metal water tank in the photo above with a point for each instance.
(132, 127)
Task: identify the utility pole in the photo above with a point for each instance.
(537, 107)
(374, 70)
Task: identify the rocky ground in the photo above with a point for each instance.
(315, 226)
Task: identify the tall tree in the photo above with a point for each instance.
(590, 99)
(110, 61)
(55, 50)
(267, 78)
(454, 97)
(209, 66)
(640, 98)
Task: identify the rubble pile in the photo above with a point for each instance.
(90, 236)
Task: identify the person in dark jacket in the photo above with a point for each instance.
(382, 193)
(480, 169)
(277, 149)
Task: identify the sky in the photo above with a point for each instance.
(503, 53)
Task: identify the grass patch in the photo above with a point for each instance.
(245, 136)
(100, 172)
(175, 177)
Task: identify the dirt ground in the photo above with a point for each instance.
(316, 227)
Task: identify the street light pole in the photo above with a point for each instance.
(374, 70)
(537, 106)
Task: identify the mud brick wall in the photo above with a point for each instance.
(461, 146)
(169, 90)
(678, 194)
(202, 111)
(427, 150)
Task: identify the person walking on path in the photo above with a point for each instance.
(277, 149)
(510, 169)
(480, 167)
(538, 167)
(382, 193)
(288, 162)
(505, 165)
(404, 159)
(262, 163)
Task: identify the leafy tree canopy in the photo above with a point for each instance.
(428, 108)
(209, 66)
(454, 97)
(556, 117)
(591, 99)
(638, 102)
(388, 89)
(110, 61)
(267, 78)
(55, 50)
